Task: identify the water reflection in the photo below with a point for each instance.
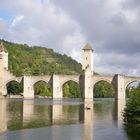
(88, 121)
(18, 114)
(91, 120)
(3, 121)
(119, 107)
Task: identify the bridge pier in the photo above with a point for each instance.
(3, 90)
(88, 91)
(28, 89)
(57, 90)
(120, 87)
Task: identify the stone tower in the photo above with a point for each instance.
(3, 69)
(87, 66)
(3, 57)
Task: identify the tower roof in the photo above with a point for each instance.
(87, 47)
(2, 48)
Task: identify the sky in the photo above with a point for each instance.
(112, 27)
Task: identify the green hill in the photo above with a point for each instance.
(36, 60)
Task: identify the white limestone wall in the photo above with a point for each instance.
(28, 89)
(120, 87)
(57, 90)
(4, 59)
(87, 60)
(88, 88)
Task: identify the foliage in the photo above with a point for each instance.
(43, 89)
(39, 61)
(71, 90)
(132, 110)
(103, 90)
(14, 88)
(132, 113)
(132, 89)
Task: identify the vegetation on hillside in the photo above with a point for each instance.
(36, 60)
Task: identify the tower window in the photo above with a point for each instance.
(86, 58)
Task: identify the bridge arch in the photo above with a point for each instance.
(101, 86)
(19, 80)
(42, 88)
(14, 87)
(71, 89)
(67, 80)
(98, 78)
(130, 82)
(130, 85)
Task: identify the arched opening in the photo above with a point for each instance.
(103, 89)
(41, 88)
(71, 89)
(14, 88)
(131, 88)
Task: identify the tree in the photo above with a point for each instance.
(132, 110)
(131, 114)
(43, 89)
(14, 88)
(103, 89)
(71, 90)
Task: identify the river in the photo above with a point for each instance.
(67, 119)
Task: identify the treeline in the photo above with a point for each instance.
(36, 60)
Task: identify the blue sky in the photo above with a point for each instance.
(4, 14)
(110, 26)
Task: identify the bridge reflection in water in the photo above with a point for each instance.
(20, 114)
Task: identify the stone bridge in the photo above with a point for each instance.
(86, 81)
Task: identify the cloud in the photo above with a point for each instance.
(112, 27)
(42, 23)
(17, 20)
(3, 28)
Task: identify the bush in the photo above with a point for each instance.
(42, 89)
(14, 88)
(71, 90)
(103, 90)
(132, 110)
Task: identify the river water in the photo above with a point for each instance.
(67, 119)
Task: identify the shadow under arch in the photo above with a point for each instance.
(103, 89)
(131, 87)
(14, 87)
(71, 89)
(42, 88)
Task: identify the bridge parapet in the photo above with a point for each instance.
(98, 78)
